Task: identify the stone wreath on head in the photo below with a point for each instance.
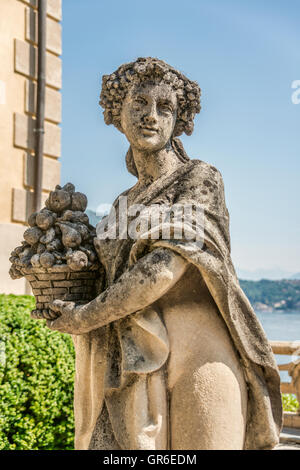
(115, 88)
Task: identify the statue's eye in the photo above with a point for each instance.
(166, 107)
(140, 101)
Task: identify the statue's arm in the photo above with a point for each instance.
(148, 280)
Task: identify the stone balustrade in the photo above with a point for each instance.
(290, 348)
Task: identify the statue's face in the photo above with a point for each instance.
(149, 115)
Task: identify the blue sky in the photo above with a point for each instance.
(244, 55)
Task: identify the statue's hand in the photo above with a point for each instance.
(68, 320)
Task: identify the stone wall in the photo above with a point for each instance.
(18, 73)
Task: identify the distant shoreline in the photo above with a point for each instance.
(273, 296)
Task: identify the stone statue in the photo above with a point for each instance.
(170, 355)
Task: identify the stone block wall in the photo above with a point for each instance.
(18, 74)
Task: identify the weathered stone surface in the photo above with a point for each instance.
(31, 25)
(54, 37)
(59, 269)
(150, 103)
(23, 132)
(73, 297)
(72, 283)
(78, 290)
(2, 92)
(51, 172)
(55, 291)
(44, 298)
(48, 247)
(81, 275)
(53, 105)
(53, 32)
(23, 204)
(10, 235)
(52, 140)
(35, 270)
(294, 372)
(52, 102)
(51, 276)
(25, 58)
(291, 419)
(36, 291)
(24, 135)
(54, 7)
(26, 63)
(40, 284)
(54, 71)
(31, 3)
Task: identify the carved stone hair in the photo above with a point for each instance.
(116, 86)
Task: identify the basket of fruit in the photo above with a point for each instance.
(57, 255)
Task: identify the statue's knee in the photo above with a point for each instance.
(209, 405)
(220, 383)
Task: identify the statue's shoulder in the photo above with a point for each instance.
(207, 185)
(205, 170)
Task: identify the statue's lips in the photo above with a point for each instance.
(149, 130)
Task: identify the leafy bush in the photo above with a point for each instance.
(36, 380)
(290, 402)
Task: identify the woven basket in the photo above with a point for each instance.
(59, 282)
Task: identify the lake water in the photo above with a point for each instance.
(281, 326)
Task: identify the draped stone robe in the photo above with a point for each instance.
(120, 368)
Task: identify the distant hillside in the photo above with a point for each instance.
(273, 295)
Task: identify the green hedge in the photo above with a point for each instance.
(36, 380)
(290, 402)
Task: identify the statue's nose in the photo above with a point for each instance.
(150, 119)
(151, 116)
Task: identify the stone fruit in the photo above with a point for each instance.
(48, 237)
(32, 219)
(69, 187)
(35, 260)
(71, 238)
(47, 260)
(79, 202)
(77, 260)
(45, 219)
(32, 235)
(15, 273)
(58, 200)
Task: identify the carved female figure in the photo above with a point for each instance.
(170, 355)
